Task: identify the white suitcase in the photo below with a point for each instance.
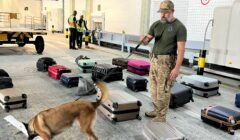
(120, 106)
(202, 86)
(12, 98)
(161, 131)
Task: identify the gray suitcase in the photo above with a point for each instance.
(203, 86)
(12, 98)
(121, 106)
(85, 87)
(161, 131)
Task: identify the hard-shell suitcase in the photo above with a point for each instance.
(70, 79)
(12, 98)
(180, 95)
(85, 70)
(161, 131)
(55, 71)
(136, 83)
(120, 106)
(139, 67)
(86, 63)
(225, 117)
(5, 82)
(237, 99)
(44, 62)
(122, 62)
(86, 87)
(107, 72)
(3, 73)
(203, 86)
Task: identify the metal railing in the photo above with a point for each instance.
(36, 23)
(6, 17)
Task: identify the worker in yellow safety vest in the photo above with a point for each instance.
(73, 30)
(81, 27)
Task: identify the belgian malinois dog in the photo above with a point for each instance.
(53, 121)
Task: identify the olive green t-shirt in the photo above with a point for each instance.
(166, 36)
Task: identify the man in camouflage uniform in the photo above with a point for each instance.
(166, 58)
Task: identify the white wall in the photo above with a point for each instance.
(193, 14)
(34, 7)
(120, 15)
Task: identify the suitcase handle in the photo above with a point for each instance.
(206, 84)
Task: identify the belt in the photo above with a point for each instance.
(157, 55)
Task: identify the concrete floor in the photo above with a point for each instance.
(44, 93)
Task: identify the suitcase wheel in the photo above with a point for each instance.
(69, 86)
(6, 98)
(218, 93)
(205, 95)
(7, 108)
(139, 103)
(139, 117)
(24, 96)
(231, 131)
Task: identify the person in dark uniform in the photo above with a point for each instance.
(81, 27)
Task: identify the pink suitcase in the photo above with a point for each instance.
(55, 71)
(139, 67)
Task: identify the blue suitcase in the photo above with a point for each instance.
(221, 116)
(70, 79)
(237, 99)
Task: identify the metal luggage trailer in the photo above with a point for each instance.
(22, 37)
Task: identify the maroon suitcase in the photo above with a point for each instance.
(122, 62)
(55, 71)
(139, 67)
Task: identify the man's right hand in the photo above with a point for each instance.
(145, 39)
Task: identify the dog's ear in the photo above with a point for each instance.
(26, 125)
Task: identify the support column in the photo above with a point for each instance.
(145, 16)
(89, 9)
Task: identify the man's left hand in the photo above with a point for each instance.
(174, 73)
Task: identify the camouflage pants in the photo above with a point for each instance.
(160, 84)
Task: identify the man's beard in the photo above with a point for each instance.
(166, 20)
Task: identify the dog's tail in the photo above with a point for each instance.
(104, 93)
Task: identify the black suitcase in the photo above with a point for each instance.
(44, 62)
(69, 79)
(122, 62)
(3, 73)
(5, 82)
(107, 72)
(136, 83)
(225, 117)
(180, 95)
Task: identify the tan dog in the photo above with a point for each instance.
(53, 121)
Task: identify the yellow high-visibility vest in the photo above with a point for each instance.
(80, 28)
(71, 21)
